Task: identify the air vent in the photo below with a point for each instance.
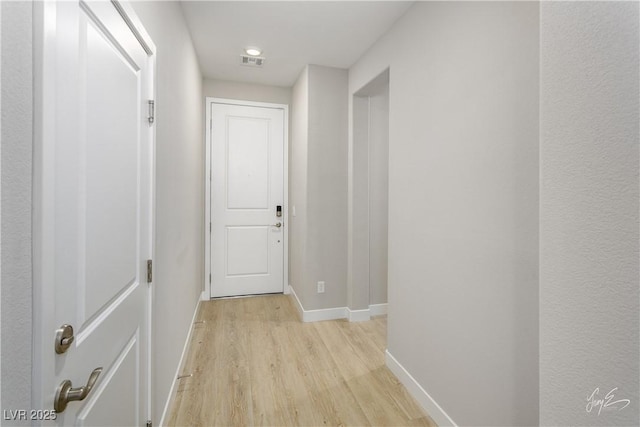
(251, 61)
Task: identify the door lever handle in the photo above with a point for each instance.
(277, 224)
(65, 393)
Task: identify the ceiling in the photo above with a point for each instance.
(291, 34)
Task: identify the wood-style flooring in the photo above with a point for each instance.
(254, 363)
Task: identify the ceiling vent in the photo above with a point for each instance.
(251, 61)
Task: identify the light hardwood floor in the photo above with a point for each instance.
(255, 363)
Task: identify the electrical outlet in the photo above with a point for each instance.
(321, 287)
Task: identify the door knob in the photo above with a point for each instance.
(64, 338)
(277, 224)
(65, 393)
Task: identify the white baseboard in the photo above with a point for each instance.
(173, 390)
(298, 304)
(318, 315)
(336, 312)
(427, 403)
(378, 309)
(358, 315)
(325, 314)
(204, 296)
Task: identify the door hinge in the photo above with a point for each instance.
(149, 271)
(209, 277)
(149, 423)
(152, 111)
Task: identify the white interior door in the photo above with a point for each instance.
(96, 211)
(247, 187)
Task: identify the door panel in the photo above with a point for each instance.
(115, 382)
(247, 250)
(247, 146)
(97, 190)
(111, 169)
(247, 160)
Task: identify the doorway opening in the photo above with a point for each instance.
(370, 197)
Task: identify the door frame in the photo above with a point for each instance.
(206, 294)
(46, 54)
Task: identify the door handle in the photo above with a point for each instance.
(65, 393)
(277, 224)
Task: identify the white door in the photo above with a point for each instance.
(94, 213)
(247, 200)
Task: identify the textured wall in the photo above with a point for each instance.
(17, 146)
(327, 188)
(1, 406)
(318, 182)
(358, 244)
(179, 245)
(246, 91)
(298, 184)
(369, 203)
(589, 310)
(318, 187)
(463, 204)
(378, 194)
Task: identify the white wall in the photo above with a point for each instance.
(16, 167)
(378, 194)
(358, 243)
(327, 187)
(589, 310)
(298, 181)
(319, 187)
(370, 196)
(246, 91)
(0, 204)
(463, 204)
(179, 246)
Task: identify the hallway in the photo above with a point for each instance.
(468, 169)
(254, 363)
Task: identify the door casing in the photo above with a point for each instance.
(206, 294)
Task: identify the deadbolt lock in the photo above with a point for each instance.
(64, 338)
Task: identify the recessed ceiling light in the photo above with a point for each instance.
(253, 51)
